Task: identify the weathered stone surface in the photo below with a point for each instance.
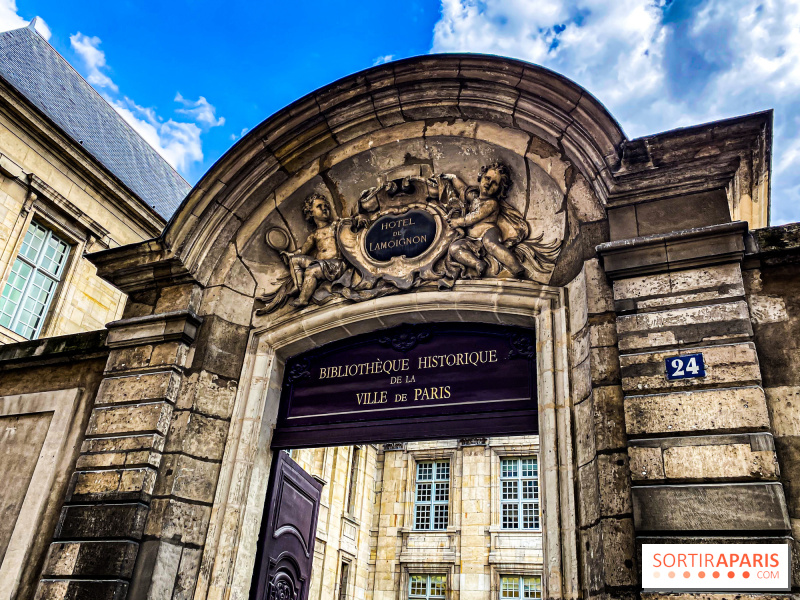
(578, 303)
(178, 297)
(673, 249)
(221, 346)
(187, 478)
(694, 325)
(605, 367)
(177, 520)
(724, 365)
(123, 359)
(102, 521)
(89, 559)
(609, 418)
(133, 388)
(591, 541)
(614, 484)
(725, 410)
(582, 198)
(50, 589)
(788, 450)
(619, 552)
(110, 485)
(667, 290)
(646, 463)
(700, 508)
(589, 494)
(602, 332)
(585, 432)
(731, 461)
(197, 435)
(208, 394)
(227, 304)
(130, 419)
(599, 295)
(581, 380)
(784, 409)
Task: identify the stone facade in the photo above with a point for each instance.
(646, 249)
(378, 539)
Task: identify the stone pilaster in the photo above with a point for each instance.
(701, 451)
(607, 549)
(114, 489)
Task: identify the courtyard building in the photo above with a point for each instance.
(75, 178)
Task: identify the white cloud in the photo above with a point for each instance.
(657, 65)
(201, 110)
(383, 59)
(9, 19)
(178, 143)
(95, 59)
(235, 137)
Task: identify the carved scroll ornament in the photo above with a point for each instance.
(409, 233)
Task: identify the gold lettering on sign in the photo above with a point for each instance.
(441, 392)
(372, 397)
(390, 367)
(370, 368)
(454, 360)
(417, 239)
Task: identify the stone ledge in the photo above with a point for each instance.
(178, 325)
(736, 509)
(65, 348)
(690, 248)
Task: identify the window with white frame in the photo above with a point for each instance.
(432, 495)
(519, 493)
(427, 586)
(33, 281)
(520, 586)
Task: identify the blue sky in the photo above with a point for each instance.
(192, 76)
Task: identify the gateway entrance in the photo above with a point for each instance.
(381, 393)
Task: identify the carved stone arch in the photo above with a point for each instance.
(240, 498)
(462, 113)
(383, 104)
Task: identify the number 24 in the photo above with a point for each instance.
(691, 366)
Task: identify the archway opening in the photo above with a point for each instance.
(440, 423)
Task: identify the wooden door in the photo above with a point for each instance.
(288, 530)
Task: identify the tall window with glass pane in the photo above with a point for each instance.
(519, 493)
(432, 496)
(519, 586)
(33, 281)
(427, 586)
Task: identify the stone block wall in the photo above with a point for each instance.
(772, 288)
(47, 391)
(140, 495)
(606, 542)
(701, 450)
(342, 536)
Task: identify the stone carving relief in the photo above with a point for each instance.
(410, 232)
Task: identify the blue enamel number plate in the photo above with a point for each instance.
(686, 366)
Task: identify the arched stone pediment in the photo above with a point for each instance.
(419, 118)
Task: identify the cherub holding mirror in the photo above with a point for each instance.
(317, 261)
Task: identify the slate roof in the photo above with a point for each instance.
(38, 72)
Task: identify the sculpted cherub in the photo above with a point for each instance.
(492, 227)
(318, 260)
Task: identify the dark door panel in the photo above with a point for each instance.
(288, 531)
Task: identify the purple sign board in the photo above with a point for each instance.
(430, 381)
